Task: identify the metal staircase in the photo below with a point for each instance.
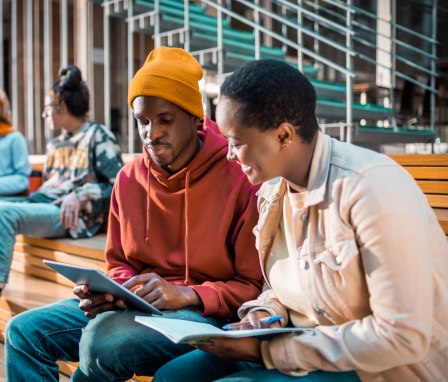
(344, 49)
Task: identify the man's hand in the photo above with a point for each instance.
(161, 293)
(70, 207)
(244, 349)
(96, 303)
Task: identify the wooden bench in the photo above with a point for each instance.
(431, 173)
(32, 284)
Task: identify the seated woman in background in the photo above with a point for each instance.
(14, 165)
(347, 242)
(80, 169)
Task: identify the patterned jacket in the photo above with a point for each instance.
(86, 163)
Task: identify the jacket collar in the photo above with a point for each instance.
(317, 183)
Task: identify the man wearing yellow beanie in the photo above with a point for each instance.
(179, 235)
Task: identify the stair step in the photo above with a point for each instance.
(399, 130)
(328, 89)
(177, 16)
(235, 45)
(243, 58)
(335, 109)
(171, 4)
(207, 26)
(369, 134)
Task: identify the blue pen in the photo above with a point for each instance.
(239, 325)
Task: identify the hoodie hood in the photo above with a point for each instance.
(213, 149)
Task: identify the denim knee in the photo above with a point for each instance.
(93, 341)
(100, 348)
(21, 332)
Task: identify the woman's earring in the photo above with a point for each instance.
(284, 144)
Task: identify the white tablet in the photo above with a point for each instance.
(100, 283)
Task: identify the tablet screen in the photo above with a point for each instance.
(100, 283)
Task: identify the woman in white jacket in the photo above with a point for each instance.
(347, 242)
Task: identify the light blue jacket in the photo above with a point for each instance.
(14, 165)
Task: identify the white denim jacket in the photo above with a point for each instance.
(374, 261)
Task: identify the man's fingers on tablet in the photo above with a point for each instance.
(81, 290)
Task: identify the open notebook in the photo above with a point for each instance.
(190, 331)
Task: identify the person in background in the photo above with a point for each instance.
(80, 169)
(348, 244)
(179, 236)
(15, 168)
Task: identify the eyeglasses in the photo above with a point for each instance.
(47, 108)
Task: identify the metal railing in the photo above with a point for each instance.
(341, 18)
(333, 36)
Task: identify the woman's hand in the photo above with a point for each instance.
(70, 208)
(161, 293)
(95, 303)
(254, 317)
(243, 349)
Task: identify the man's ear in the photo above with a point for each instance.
(285, 133)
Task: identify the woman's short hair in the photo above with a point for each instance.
(269, 92)
(72, 90)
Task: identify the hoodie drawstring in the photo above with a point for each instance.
(187, 187)
(148, 204)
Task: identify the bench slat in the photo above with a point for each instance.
(433, 186)
(92, 247)
(26, 292)
(421, 159)
(442, 217)
(437, 201)
(63, 257)
(428, 172)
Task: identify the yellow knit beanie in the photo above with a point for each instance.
(172, 74)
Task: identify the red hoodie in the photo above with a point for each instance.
(193, 227)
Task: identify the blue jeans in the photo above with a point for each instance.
(31, 219)
(199, 366)
(110, 347)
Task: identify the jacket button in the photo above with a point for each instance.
(319, 311)
(146, 240)
(304, 217)
(304, 264)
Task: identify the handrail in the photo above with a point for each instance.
(395, 40)
(414, 49)
(343, 6)
(397, 56)
(399, 74)
(395, 25)
(297, 19)
(367, 29)
(298, 27)
(320, 8)
(370, 30)
(312, 15)
(416, 66)
(280, 38)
